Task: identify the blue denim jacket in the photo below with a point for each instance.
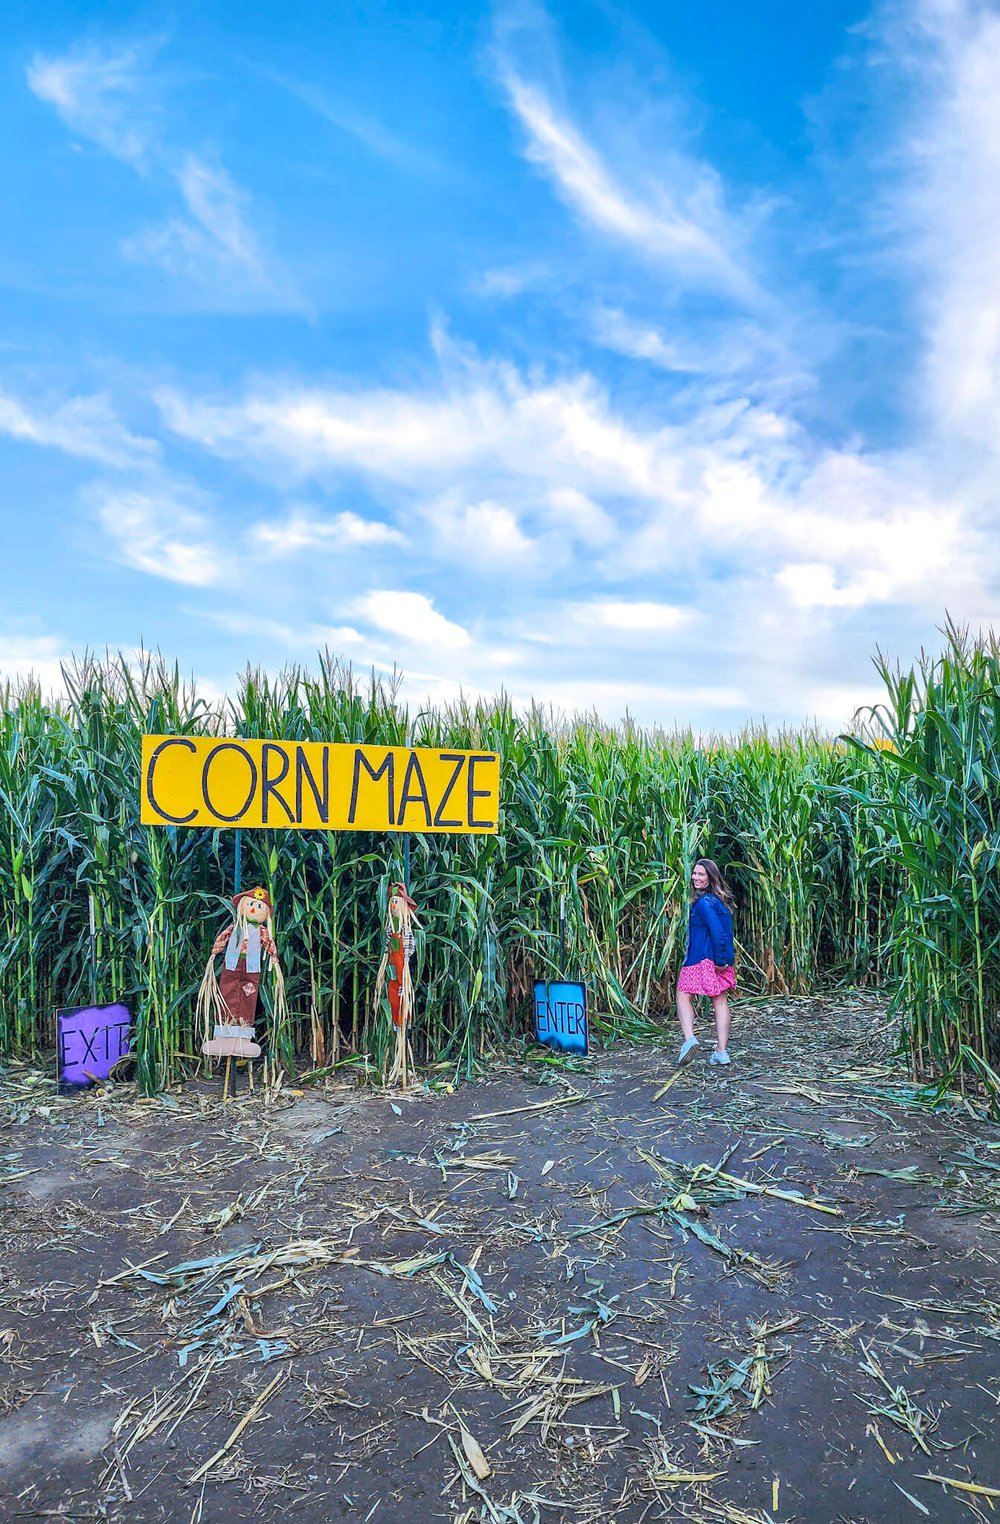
(710, 932)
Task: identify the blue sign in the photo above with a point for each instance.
(561, 1016)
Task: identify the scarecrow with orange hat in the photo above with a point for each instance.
(230, 1002)
(394, 974)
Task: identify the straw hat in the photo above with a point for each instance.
(399, 891)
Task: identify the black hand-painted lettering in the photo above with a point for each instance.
(88, 1044)
(251, 764)
(413, 769)
(458, 759)
(388, 767)
(173, 741)
(478, 793)
(303, 771)
(269, 785)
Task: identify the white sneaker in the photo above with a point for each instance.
(687, 1048)
(720, 1056)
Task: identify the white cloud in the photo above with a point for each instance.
(99, 92)
(484, 418)
(725, 476)
(303, 532)
(813, 584)
(834, 705)
(216, 205)
(579, 516)
(156, 533)
(215, 248)
(24, 656)
(413, 617)
(615, 631)
(683, 226)
(652, 702)
(496, 530)
(309, 637)
(714, 487)
(484, 533)
(739, 351)
(949, 203)
(363, 128)
(511, 281)
(848, 530)
(84, 426)
(110, 95)
(217, 237)
(637, 617)
(641, 341)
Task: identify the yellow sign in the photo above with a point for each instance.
(317, 786)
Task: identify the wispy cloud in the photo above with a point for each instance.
(413, 618)
(725, 488)
(641, 341)
(302, 531)
(487, 536)
(83, 426)
(680, 222)
(652, 475)
(216, 236)
(363, 128)
(492, 531)
(101, 93)
(947, 202)
(25, 655)
(161, 535)
(726, 352)
(612, 629)
(512, 280)
(578, 518)
(482, 415)
(307, 638)
(637, 616)
(613, 699)
(110, 94)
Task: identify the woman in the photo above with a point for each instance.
(708, 967)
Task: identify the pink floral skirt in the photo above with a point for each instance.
(701, 979)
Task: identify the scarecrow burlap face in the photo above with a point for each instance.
(254, 905)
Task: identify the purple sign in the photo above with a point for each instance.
(92, 1038)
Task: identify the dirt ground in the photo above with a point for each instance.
(765, 1293)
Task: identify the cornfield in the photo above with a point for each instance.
(935, 788)
(852, 863)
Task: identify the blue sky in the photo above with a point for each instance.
(633, 358)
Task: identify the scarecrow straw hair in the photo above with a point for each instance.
(851, 863)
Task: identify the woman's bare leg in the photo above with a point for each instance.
(723, 1020)
(685, 1013)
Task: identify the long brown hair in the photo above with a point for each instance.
(716, 883)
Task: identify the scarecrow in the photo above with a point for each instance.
(231, 1000)
(394, 974)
